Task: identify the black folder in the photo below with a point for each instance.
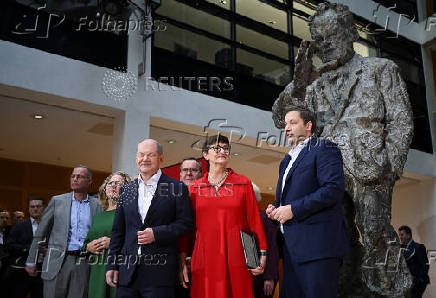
(250, 250)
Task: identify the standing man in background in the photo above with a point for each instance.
(65, 224)
(17, 216)
(415, 255)
(190, 170)
(265, 284)
(4, 233)
(18, 243)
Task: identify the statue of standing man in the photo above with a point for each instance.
(362, 105)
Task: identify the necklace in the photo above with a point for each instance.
(217, 184)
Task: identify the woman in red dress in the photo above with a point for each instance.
(223, 204)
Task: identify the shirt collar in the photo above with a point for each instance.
(153, 180)
(84, 201)
(300, 146)
(33, 221)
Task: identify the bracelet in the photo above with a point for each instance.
(263, 253)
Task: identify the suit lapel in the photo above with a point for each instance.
(155, 202)
(93, 204)
(28, 231)
(67, 207)
(135, 201)
(283, 165)
(300, 157)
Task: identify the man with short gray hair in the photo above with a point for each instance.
(153, 212)
(65, 223)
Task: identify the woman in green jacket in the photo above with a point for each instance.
(98, 238)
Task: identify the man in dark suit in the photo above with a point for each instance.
(308, 208)
(415, 255)
(4, 255)
(264, 285)
(153, 212)
(18, 243)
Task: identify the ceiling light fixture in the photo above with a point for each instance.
(171, 141)
(272, 22)
(38, 116)
(236, 154)
(269, 188)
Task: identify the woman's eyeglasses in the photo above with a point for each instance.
(115, 184)
(218, 148)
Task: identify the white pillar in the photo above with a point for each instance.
(130, 128)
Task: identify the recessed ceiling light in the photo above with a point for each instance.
(269, 188)
(236, 154)
(38, 116)
(171, 141)
(272, 22)
(223, 1)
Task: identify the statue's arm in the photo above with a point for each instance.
(398, 118)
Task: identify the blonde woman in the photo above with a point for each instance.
(98, 238)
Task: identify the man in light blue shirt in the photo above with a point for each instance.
(65, 223)
(80, 222)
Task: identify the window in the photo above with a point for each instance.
(29, 24)
(263, 13)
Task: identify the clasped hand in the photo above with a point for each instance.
(282, 214)
(146, 236)
(97, 246)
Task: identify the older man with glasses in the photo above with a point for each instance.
(64, 224)
(190, 170)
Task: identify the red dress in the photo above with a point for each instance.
(218, 266)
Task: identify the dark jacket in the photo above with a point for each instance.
(169, 216)
(314, 188)
(417, 261)
(19, 241)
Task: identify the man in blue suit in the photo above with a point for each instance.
(308, 208)
(153, 212)
(415, 255)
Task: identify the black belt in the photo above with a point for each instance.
(73, 253)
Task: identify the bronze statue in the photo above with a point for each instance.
(363, 106)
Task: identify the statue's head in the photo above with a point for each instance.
(332, 28)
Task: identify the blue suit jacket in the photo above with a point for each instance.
(314, 188)
(417, 261)
(169, 216)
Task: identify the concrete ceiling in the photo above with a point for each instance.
(68, 137)
(63, 137)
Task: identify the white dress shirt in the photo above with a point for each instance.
(294, 152)
(34, 225)
(146, 192)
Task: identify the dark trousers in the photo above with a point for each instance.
(181, 292)
(139, 289)
(19, 283)
(315, 279)
(258, 282)
(418, 290)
